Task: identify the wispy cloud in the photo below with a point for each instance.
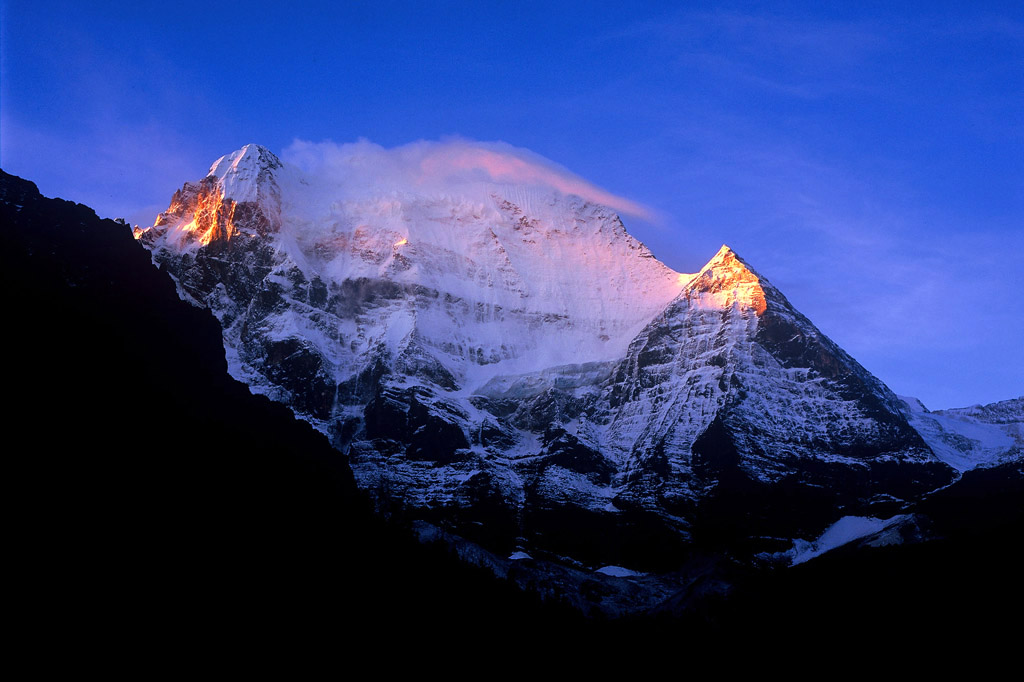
(441, 165)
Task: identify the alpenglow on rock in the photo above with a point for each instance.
(508, 362)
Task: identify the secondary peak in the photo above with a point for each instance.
(728, 277)
(726, 257)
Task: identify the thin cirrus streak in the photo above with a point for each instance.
(441, 166)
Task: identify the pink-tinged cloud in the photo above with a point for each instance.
(446, 166)
(507, 167)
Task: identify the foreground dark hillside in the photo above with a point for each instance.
(156, 502)
(156, 495)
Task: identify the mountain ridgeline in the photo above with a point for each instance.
(705, 429)
(508, 366)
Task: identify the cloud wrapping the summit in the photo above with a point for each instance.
(361, 167)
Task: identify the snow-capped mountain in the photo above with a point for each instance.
(509, 363)
(510, 262)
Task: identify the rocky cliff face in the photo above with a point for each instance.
(510, 364)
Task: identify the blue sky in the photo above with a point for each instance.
(868, 159)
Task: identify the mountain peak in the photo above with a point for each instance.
(564, 267)
(249, 156)
(728, 279)
(241, 172)
(727, 258)
(204, 212)
(723, 252)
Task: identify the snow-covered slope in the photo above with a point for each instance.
(509, 362)
(969, 437)
(488, 279)
(730, 382)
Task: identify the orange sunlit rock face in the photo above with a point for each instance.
(747, 284)
(726, 280)
(402, 242)
(213, 218)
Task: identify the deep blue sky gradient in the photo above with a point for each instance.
(867, 159)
